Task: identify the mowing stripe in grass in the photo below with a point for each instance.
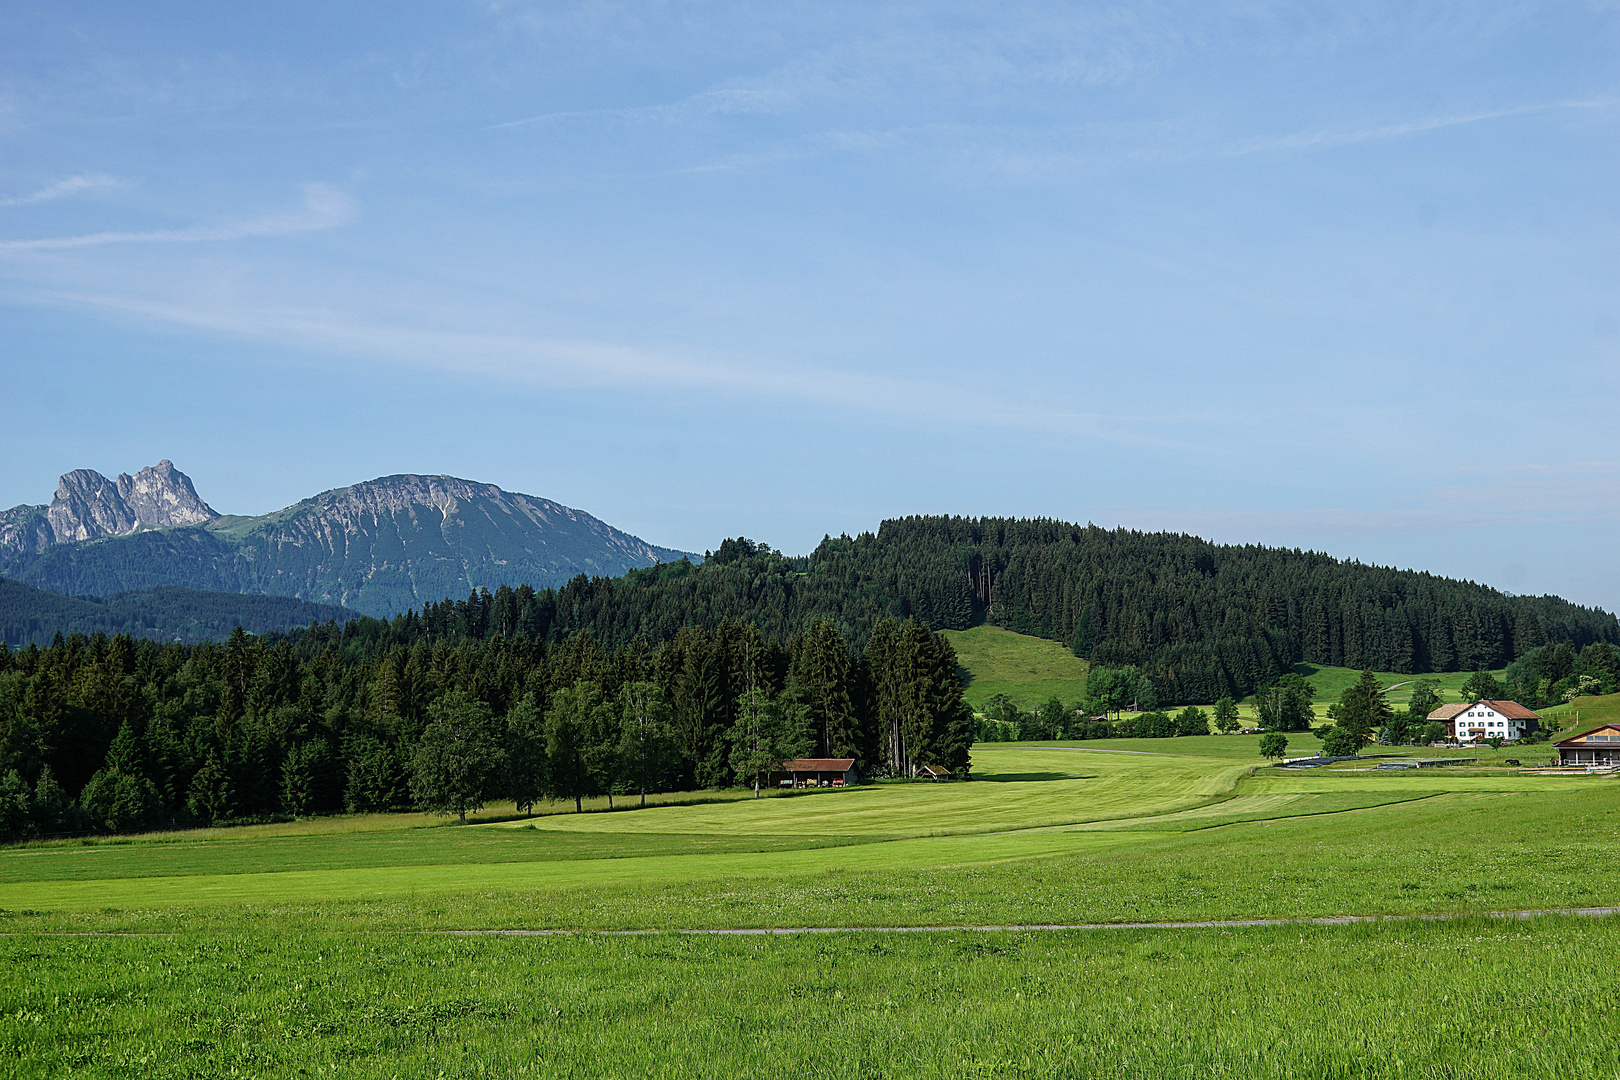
(1008, 928)
(1016, 928)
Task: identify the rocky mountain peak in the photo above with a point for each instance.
(89, 506)
(162, 496)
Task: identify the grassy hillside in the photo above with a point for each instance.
(1027, 669)
(1330, 682)
(1030, 669)
(1584, 713)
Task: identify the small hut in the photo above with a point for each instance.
(817, 772)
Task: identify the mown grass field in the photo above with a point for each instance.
(319, 948)
(1471, 999)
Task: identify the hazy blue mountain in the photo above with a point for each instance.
(378, 547)
(30, 615)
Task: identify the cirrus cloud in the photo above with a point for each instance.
(324, 207)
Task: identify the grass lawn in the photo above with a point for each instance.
(1478, 999)
(1120, 831)
(309, 948)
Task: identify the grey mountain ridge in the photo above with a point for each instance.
(88, 506)
(377, 547)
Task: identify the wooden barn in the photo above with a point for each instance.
(1599, 746)
(817, 772)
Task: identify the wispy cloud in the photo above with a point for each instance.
(324, 207)
(519, 359)
(1328, 138)
(72, 185)
(735, 102)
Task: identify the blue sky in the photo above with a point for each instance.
(1339, 276)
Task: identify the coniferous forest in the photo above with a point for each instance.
(683, 676)
(1203, 621)
(113, 734)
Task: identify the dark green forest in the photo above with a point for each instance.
(35, 616)
(114, 734)
(1203, 621)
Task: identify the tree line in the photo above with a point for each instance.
(1202, 620)
(112, 734)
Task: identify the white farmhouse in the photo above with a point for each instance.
(1487, 719)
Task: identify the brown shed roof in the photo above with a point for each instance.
(818, 764)
(1446, 712)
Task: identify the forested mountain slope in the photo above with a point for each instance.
(35, 616)
(380, 547)
(1205, 620)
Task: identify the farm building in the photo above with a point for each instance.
(817, 772)
(934, 772)
(1600, 746)
(1486, 719)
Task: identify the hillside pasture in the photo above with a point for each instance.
(1029, 670)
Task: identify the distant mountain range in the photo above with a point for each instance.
(378, 547)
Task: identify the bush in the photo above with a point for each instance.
(117, 801)
(1192, 721)
(1149, 725)
(1340, 742)
(989, 730)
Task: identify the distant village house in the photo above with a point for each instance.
(1486, 719)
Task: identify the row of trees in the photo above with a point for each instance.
(114, 734)
(1003, 721)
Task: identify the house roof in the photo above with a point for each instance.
(818, 764)
(1510, 709)
(934, 770)
(1579, 739)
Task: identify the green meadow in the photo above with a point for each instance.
(1480, 998)
(334, 947)
(1030, 670)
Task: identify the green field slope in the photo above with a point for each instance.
(1027, 669)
